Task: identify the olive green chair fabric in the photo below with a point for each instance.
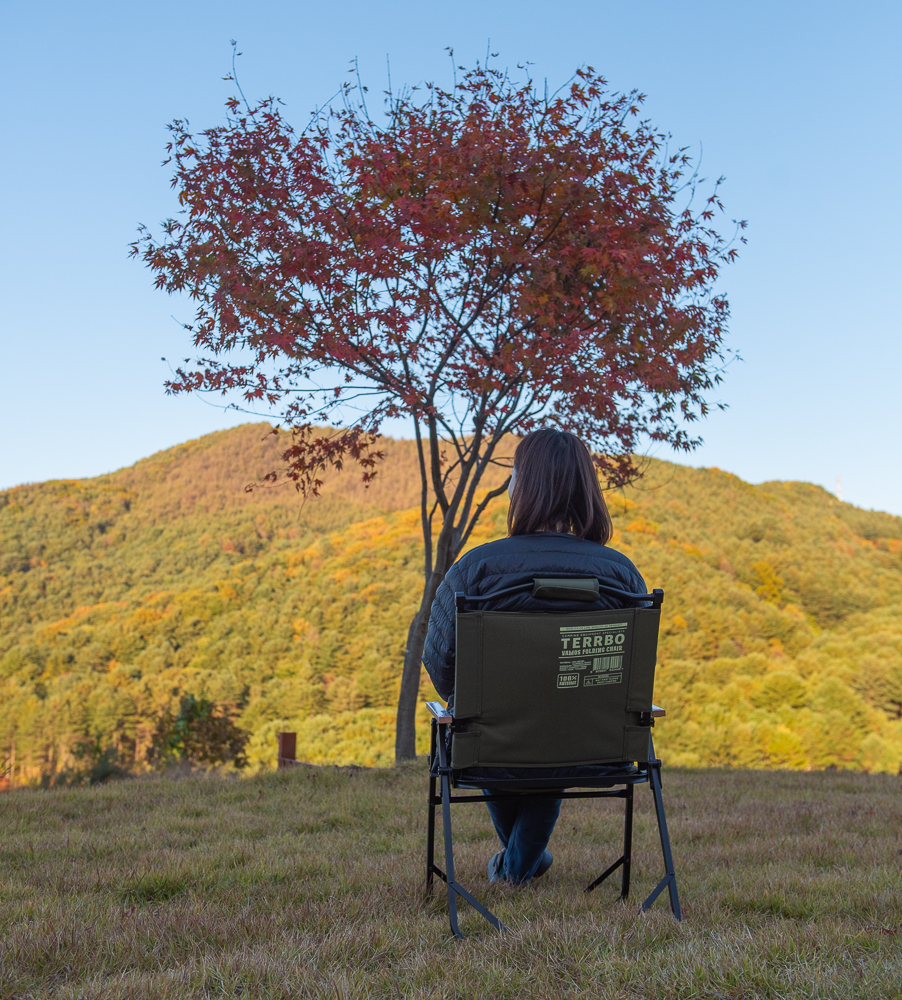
(553, 690)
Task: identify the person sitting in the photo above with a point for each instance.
(558, 524)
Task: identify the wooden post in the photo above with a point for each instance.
(287, 749)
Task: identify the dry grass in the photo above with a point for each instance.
(308, 883)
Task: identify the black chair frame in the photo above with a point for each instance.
(442, 778)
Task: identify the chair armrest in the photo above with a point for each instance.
(441, 714)
(657, 712)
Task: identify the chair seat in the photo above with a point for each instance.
(579, 776)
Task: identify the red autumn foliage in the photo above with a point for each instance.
(485, 260)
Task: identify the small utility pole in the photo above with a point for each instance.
(839, 489)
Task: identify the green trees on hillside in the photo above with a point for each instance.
(781, 640)
(198, 733)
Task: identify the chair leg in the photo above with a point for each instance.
(669, 880)
(449, 856)
(430, 821)
(627, 843)
(454, 887)
(624, 859)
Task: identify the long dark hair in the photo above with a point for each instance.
(555, 488)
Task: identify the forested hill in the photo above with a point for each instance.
(781, 639)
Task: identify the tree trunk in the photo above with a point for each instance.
(405, 732)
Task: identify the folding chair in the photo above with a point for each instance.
(554, 692)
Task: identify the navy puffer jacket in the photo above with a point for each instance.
(517, 560)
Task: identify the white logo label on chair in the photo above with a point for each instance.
(597, 649)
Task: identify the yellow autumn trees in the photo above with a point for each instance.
(781, 640)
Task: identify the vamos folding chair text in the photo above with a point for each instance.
(549, 694)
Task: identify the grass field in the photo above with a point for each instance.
(308, 883)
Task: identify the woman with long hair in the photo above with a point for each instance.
(558, 524)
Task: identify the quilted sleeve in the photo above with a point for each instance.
(637, 585)
(438, 655)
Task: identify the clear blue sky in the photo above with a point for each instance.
(797, 104)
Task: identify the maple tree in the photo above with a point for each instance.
(482, 260)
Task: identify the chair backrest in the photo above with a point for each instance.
(551, 690)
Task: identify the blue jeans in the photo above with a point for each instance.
(524, 825)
